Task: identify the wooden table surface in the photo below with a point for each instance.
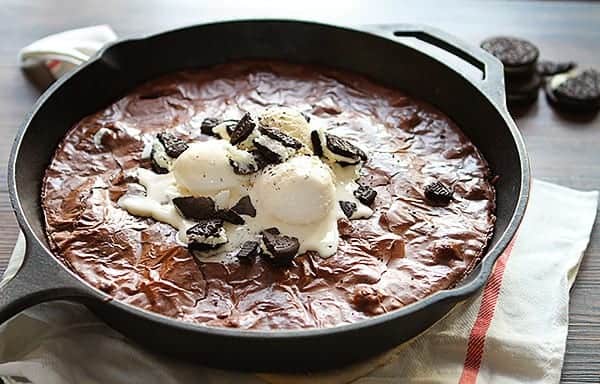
(562, 150)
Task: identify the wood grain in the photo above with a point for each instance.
(562, 150)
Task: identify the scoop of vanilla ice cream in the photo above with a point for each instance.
(204, 168)
(300, 191)
(289, 121)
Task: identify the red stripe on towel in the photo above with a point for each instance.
(476, 343)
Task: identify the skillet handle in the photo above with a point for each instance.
(492, 83)
(38, 279)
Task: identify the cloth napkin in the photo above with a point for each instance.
(513, 332)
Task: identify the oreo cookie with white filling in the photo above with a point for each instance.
(207, 234)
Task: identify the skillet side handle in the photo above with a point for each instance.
(39, 278)
(492, 83)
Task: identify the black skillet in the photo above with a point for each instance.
(380, 52)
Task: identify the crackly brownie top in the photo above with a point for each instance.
(417, 219)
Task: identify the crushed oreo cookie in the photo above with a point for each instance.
(242, 129)
(282, 138)
(208, 124)
(248, 251)
(244, 207)
(315, 139)
(230, 216)
(344, 150)
(306, 116)
(281, 248)
(205, 235)
(365, 194)
(196, 208)
(173, 146)
(349, 208)
(165, 148)
(437, 194)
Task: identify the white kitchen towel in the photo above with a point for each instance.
(513, 332)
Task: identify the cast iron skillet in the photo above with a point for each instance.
(478, 106)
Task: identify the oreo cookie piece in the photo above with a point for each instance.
(282, 249)
(437, 194)
(208, 124)
(341, 150)
(165, 148)
(242, 129)
(315, 139)
(244, 207)
(248, 251)
(173, 146)
(517, 55)
(365, 194)
(230, 216)
(575, 91)
(551, 68)
(207, 234)
(282, 138)
(243, 162)
(196, 208)
(348, 207)
(306, 116)
(275, 146)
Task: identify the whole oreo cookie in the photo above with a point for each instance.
(575, 91)
(517, 55)
(523, 92)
